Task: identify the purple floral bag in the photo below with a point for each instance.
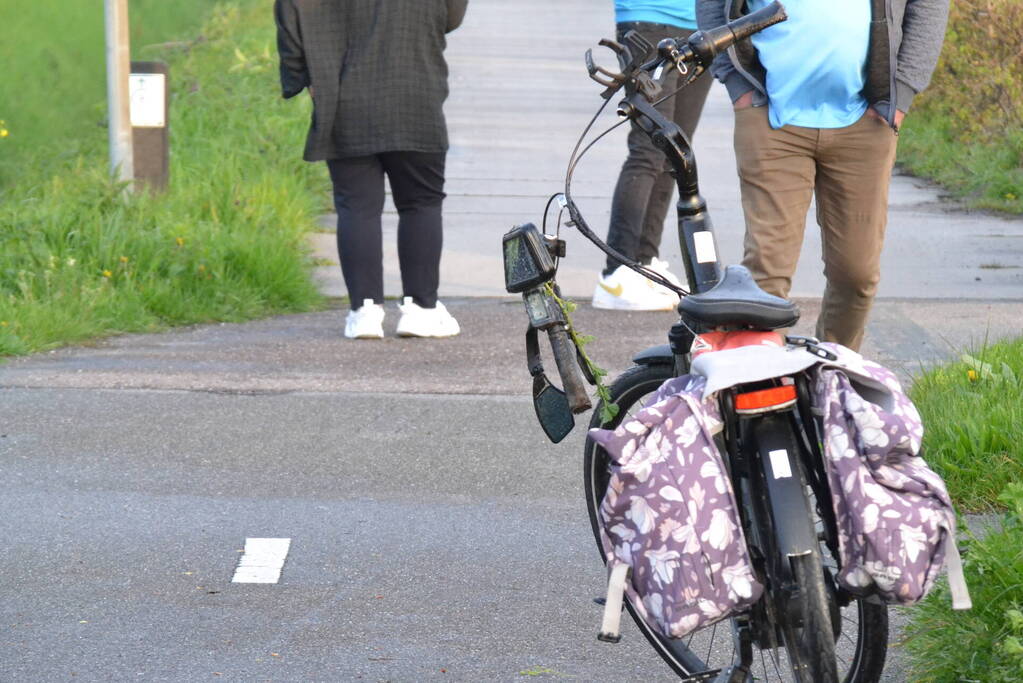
(669, 525)
(896, 523)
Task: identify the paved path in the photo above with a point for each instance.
(135, 469)
(520, 99)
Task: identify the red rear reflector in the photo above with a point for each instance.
(766, 398)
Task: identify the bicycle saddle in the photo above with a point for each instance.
(737, 300)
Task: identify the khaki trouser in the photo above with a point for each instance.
(849, 169)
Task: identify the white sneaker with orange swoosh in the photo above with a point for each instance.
(627, 290)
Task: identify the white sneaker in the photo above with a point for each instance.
(365, 323)
(627, 290)
(417, 321)
(662, 268)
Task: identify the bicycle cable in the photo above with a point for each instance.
(576, 216)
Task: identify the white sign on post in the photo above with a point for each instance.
(148, 100)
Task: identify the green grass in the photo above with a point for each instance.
(966, 130)
(79, 258)
(52, 95)
(986, 642)
(973, 417)
(986, 175)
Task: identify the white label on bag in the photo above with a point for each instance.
(703, 242)
(780, 464)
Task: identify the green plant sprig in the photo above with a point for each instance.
(608, 408)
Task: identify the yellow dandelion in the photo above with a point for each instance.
(972, 375)
(201, 268)
(180, 241)
(3, 323)
(124, 259)
(107, 273)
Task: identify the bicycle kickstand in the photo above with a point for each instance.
(739, 672)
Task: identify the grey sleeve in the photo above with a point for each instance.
(923, 33)
(456, 13)
(294, 71)
(711, 14)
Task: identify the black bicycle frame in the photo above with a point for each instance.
(693, 218)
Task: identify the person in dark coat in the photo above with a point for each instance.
(377, 75)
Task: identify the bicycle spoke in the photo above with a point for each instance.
(710, 646)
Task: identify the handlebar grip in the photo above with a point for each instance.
(708, 44)
(568, 367)
(745, 26)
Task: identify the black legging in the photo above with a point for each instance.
(417, 187)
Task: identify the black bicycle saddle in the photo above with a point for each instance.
(736, 300)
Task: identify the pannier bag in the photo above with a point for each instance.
(669, 524)
(668, 521)
(896, 523)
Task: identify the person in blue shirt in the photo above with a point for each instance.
(645, 186)
(818, 102)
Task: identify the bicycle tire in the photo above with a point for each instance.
(811, 649)
(868, 617)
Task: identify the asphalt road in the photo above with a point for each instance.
(435, 534)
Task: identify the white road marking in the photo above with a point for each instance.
(262, 560)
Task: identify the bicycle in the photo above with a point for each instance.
(805, 627)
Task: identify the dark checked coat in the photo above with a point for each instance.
(376, 68)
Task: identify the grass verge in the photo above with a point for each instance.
(966, 130)
(986, 642)
(79, 258)
(973, 419)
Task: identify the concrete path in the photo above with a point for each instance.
(520, 98)
(435, 534)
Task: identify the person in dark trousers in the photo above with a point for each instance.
(818, 102)
(377, 75)
(645, 186)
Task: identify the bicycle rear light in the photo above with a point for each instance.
(527, 261)
(765, 400)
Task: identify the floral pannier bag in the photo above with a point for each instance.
(896, 523)
(669, 523)
(670, 528)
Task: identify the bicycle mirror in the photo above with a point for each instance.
(552, 410)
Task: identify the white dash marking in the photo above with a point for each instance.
(262, 560)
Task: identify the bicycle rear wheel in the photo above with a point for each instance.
(811, 647)
(862, 624)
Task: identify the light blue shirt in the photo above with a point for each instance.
(681, 13)
(816, 62)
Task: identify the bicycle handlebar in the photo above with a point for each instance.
(708, 44)
(565, 356)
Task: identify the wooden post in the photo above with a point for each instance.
(118, 106)
(149, 104)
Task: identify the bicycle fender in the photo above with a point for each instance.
(655, 355)
(784, 487)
